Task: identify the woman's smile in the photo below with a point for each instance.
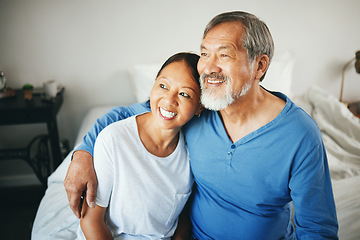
(167, 114)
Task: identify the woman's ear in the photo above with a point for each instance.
(198, 112)
(262, 64)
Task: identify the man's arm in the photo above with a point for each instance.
(311, 191)
(81, 175)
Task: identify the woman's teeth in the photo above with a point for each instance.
(166, 113)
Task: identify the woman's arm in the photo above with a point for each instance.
(93, 224)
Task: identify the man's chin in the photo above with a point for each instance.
(215, 103)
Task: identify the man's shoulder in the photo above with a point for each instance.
(302, 124)
(303, 117)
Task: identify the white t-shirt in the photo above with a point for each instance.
(144, 193)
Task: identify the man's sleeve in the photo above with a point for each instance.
(114, 115)
(311, 191)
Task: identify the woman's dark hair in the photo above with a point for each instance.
(191, 60)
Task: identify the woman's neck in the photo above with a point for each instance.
(157, 141)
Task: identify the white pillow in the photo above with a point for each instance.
(279, 75)
(278, 78)
(143, 78)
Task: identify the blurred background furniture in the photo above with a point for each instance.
(16, 110)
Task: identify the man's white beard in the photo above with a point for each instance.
(213, 101)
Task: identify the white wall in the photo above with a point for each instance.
(88, 45)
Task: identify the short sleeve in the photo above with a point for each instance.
(103, 164)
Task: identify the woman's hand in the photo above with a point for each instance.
(80, 179)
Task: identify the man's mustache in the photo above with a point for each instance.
(214, 76)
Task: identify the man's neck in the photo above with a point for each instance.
(250, 112)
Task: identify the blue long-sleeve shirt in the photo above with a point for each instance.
(244, 189)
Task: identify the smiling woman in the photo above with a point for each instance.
(154, 152)
(174, 99)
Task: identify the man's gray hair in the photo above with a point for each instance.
(257, 39)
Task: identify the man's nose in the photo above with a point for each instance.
(211, 66)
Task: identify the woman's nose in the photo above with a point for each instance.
(171, 98)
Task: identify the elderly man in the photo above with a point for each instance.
(252, 152)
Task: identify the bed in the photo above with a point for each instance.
(340, 130)
(341, 135)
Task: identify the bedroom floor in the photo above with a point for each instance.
(18, 210)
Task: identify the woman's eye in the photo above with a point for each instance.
(162, 86)
(185, 95)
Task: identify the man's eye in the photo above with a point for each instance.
(185, 95)
(204, 54)
(224, 55)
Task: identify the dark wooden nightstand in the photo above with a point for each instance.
(17, 110)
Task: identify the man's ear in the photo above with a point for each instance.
(262, 64)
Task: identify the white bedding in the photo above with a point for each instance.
(54, 218)
(341, 134)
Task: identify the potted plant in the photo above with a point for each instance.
(28, 88)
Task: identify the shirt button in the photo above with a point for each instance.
(229, 153)
(233, 146)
